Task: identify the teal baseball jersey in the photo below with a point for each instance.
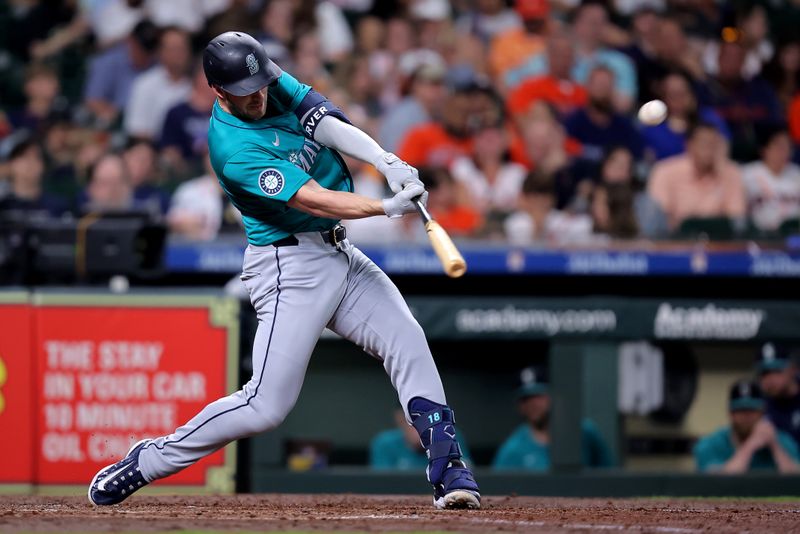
(522, 451)
(389, 450)
(262, 164)
(714, 450)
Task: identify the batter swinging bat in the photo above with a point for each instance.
(452, 260)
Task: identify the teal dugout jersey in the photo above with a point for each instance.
(262, 164)
(389, 450)
(713, 451)
(521, 451)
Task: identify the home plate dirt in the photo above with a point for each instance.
(359, 513)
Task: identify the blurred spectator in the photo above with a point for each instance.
(437, 144)
(528, 447)
(113, 71)
(424, 97)
(109, 187)
(26, 176)
(669, 137)
(275, 32)
(42, 100)
(163, 86)
(400, 449)
(184, 137)
(309, 67)
(431, 20)
(596, 125)
(753, 35)
(772, 184)
(537, 221)
(30, 23)
(545, 144)
(489, 18)
(643, 49)
(515, 46)
(619, 208)
(783, 72)
(588, 27)
(744, 104)
(556, 87)
(492, 181)
(140, 163)
(750, 442)
(336, 38)
(199, 207)
(780, 383)
(448, 203)
(703, 182)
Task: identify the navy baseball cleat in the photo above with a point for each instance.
(116, 482)
(454, 485)
(458, 488)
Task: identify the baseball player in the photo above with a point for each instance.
(274, 145)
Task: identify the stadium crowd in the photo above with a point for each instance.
(520, 114)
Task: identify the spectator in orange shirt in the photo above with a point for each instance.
(510, 49)
(555, 88)
(447, 203)
(703, 182)
(437, 144)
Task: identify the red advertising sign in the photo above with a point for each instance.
(111, 375)
(16, 394)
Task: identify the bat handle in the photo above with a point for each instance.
(426, 216)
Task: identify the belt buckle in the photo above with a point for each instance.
(338, 235)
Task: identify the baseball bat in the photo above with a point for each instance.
(452, 260)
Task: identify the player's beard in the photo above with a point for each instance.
(252, 110)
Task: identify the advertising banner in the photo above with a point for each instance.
(16, 389)
(114, 370)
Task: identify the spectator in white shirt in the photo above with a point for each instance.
(772, 184)
(492, 180)
(161, 87)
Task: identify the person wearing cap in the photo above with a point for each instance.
(514, 47)
(750, 442)
(528, 447)
(424, 93)
(780, 383)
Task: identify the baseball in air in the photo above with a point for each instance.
(653, 112)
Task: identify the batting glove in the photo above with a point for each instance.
(403, 202)
(397, 172)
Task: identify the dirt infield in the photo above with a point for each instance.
(266, 513)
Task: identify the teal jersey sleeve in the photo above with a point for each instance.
(261, 174)
(520, 451)
(596, 452)
(287, 93)
(789, 445)
(713, 451)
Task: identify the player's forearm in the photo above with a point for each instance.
(784, 462)
(336, 204)
(740, 461)
(347, 139)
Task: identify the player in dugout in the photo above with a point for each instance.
(528, 447)
(274, 145)
(780, 384)
(750, 442)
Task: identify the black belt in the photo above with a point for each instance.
(334, 236)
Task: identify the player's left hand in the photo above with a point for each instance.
(397, 172)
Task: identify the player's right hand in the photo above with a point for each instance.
(403, 202)
(398, 173)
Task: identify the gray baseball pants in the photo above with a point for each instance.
(297, 291)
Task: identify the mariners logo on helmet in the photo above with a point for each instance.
(271, 182)
(252, 63)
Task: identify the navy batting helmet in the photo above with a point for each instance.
(237, 63)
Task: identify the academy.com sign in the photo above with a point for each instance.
(707, 322)
(511, 319)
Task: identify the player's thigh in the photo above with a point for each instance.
(374, 315)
